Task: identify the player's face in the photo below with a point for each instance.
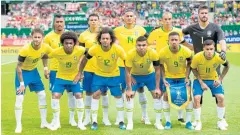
(167, 20)
(93, 21)
(37, 39)
(174, 42)
(203, 15)
(141, 47)
(129, 18)
(105, 40)
(68, 45)
(209, 51)
(59, 24)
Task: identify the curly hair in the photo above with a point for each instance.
(69, 35)
(105, 30)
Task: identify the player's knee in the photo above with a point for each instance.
(89, 93)
(41, 94)
(19, 100)
(220, 98)
(197, 100)
(96, 95)
(56, 95)
(78, 95)
(104, 93)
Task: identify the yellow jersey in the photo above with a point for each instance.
(175, 63)
(89, 39)
(32, 56)
(207, 68)
(68, 63)
(159, 37)
(53, 40)
(127, 38)
(141, 65)
(106, 62)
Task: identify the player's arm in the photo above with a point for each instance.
(45, 65)
(225, 70)
(188, 45)
(188, 70)
(196, 74)
(222, 42)
(82, 44)
(156, 65)
(128, 78)
(21, 59)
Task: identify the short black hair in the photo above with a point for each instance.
(173, 34)
(208, 42)
(202, 7)
(69, 35)
(141, 38)
(58, 16)
(105, 30)
(37, 30)
(96, 15)
(129, 10)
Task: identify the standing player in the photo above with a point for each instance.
(126, 36)
(106, 74)
(87, 39)
(204, 30)
(68, 57)
(139, 65)
(175, 62)
(204, 66)
(27, 75)
(158, 39)
(53, 39)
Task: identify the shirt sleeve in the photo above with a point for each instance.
(129, 60)
(194, 62)
(52, 54)
(154, 55)
(48, 49)
(161, 57)
(220, 60)
(220, 34)
(121, 53)
(151, 38)
(46, 40)
(23, 52)
(186, 30)
(81, 38)
(188, 53)
(92, 51)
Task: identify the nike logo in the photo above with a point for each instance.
(194, 32)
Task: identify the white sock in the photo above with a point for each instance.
(129, 110)
(88, 101)
(158, 109)
(80, 109)
(120, 109)
(56, 109)
(166, 109)
(105, 107)
(197, 113)
(71, 105)
(220, 112)
(123, 96)
(94, 109)
(180, 114)
(189, 109)
(42, 105)
(18, 109)
(143, 103)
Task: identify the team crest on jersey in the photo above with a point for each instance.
(215, 65)
(181, 58)
(209, 33)
(136, 33)
(113, 56)
(75, 57)
(148, 60)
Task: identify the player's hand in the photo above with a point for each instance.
(133, 81)
(217, 83)
(77, 78)
(158, 93)
(166, 83)
(82, 76)
(204, 86)
(46, 74)
(129, 94)
(187, 81)
(20, 89)
(223, 55)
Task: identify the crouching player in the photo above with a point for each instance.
(175, 61)
(68, 57)
(204, 65)
(140, 72)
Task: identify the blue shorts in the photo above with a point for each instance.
(31, 79)
(87, 82)
(60, 85)
(52, 78)
(122, 78)
(197, 90)
(141, 80)
(111, 82)
(173, 81)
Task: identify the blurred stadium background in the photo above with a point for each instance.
(19, 16)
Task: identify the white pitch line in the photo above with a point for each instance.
(6, 63)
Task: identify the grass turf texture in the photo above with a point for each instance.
(31, 116)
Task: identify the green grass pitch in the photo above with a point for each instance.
(31, 116)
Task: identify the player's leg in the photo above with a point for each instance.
(219, 94)
(197, 93)
(87, 82)
(75, 88)
(71, 106)
(57, 91)
(105, 104)
(143, 102)
(181, 112)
